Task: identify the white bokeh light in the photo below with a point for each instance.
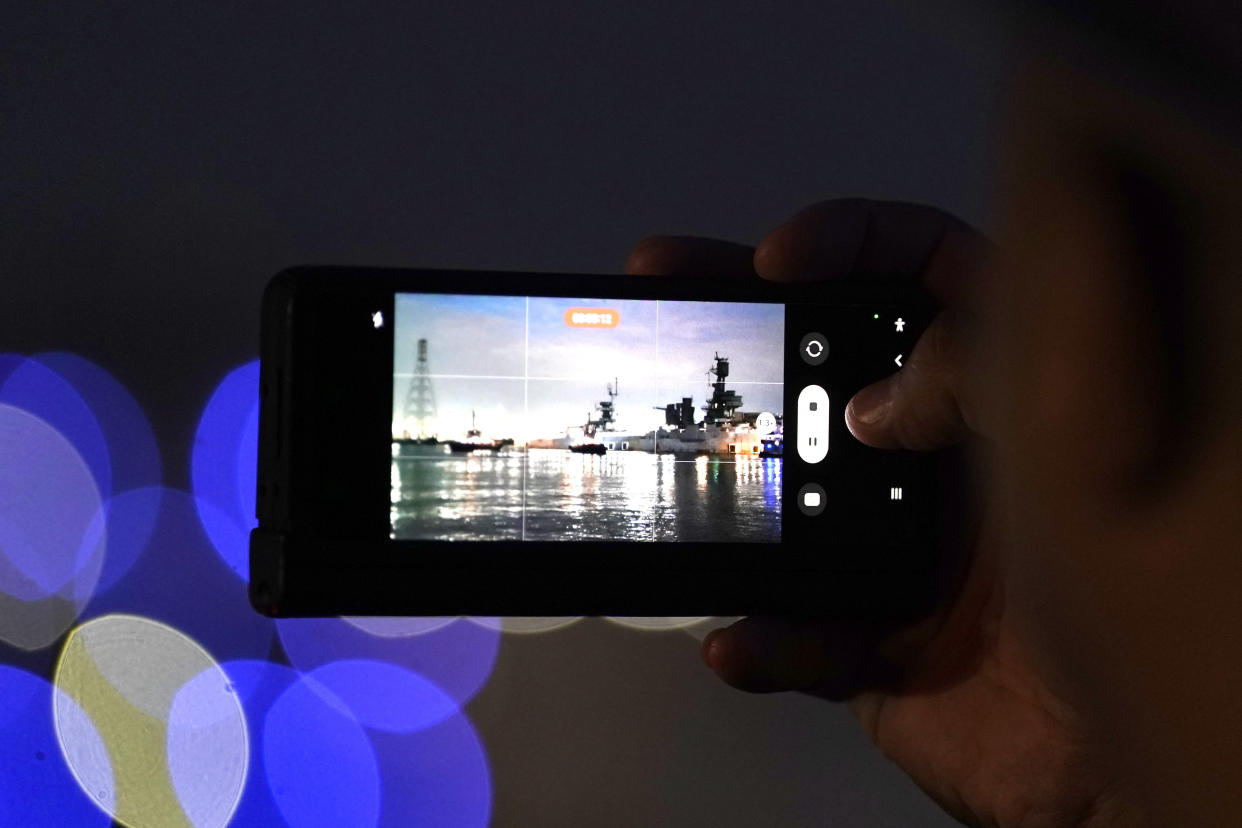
(654, 623)
(526, 624)
(48, 568)
(398, 626)
(173, 733)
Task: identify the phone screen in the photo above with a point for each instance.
(578, 419)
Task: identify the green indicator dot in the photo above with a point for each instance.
(877, 316)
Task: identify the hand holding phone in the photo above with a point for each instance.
(953, 698)
(926, 406)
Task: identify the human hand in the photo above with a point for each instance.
(956, 700)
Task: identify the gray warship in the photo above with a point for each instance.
(724, 428)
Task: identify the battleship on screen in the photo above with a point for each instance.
(438, 442)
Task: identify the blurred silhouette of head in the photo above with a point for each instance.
(1116, 377)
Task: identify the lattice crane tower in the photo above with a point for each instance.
(420, 398)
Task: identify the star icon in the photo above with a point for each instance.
(901, 324)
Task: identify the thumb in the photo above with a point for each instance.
(923, 406)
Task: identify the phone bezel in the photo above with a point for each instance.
(313, 555)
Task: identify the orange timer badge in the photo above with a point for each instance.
(592, 317)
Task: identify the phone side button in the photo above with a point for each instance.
(812, 424)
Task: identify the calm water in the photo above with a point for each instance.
(626, 495)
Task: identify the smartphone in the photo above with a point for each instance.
(450, 442)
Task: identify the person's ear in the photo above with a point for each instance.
(1098, 327)
(1159, 270)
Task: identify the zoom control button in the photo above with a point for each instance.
(812, 424)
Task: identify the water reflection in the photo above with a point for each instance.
(552, 494)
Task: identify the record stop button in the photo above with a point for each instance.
(812, 424)
(811, 499)
(813, 348)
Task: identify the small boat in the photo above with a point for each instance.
(466, 445)
(415, 441)
(588, 448)
(773, 448)
(474, 441)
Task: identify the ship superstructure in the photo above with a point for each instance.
(723, 429)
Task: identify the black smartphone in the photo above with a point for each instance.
(448, 442)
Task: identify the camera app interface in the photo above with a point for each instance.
(537, 418)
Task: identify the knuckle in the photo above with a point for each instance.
(650, 255)
(928, 388)
(942, 343)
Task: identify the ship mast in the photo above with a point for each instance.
(607, 411)
(724, 402)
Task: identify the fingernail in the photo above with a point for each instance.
(872, 404)
(713, 650)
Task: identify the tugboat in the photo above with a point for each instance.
(474, 440)
(590, 442)
(407, 440)
(407, 445)
(773, 446)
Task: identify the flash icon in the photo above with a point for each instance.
(377, 319)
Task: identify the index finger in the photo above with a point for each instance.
(691, 256)
(860, 239)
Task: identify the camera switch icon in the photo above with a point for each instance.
(813, 348)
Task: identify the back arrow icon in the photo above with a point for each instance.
(898, 360)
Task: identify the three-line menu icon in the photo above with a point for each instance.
(894, 493)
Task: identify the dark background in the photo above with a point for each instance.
(161, 161)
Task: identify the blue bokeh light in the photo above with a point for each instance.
(384, 696)
(373, 733)
(128, 519)
(133, 456)
(42, 474)
(223, 466)
(321, 767)
(256, 685)
(36, 785)
(248, 468)
(182, 582)
(106, 426)
(436, 776)
(8, 364)
(36, 388)
(132, 450)
(208, 748)
(457, 658)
